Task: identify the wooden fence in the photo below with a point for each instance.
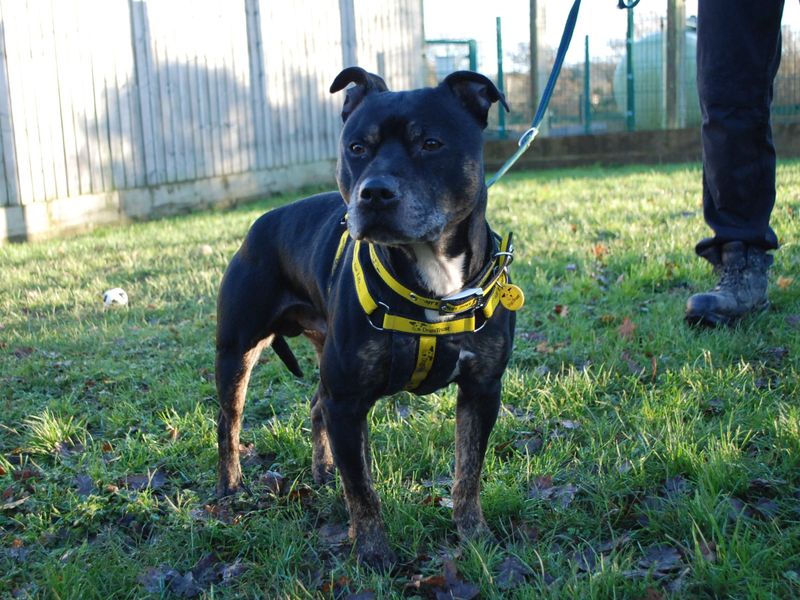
(122, 108)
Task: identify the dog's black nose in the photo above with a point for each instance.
(379, 193)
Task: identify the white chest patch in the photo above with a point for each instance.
(442, 276)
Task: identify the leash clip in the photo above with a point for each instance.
(526, 139)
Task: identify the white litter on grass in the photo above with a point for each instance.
(115, 296)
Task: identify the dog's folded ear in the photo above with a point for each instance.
(365, 83)
(476, 92)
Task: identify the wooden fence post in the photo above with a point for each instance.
(676, 25)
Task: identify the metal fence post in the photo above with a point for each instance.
(472, 46)
(534, 56)
(631, 105)
(500, 83)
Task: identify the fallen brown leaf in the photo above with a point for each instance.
(627, 329)
(652, 594)
(784, 282)
(708, 550)
(11, 505)
(634, 367)
(456, 587)
(83, 484)
(274, 482)
(512, 573)
(532, 336)
(543, 489)
(208, 571)
(600, 251)
(661, 559)
(676, 486)
(25, 474)
(22, 352)
(335, 587)
(151, 480)
(333, 534)
(530, 445)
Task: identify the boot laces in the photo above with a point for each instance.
(731, 279)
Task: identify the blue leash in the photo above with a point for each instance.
(527, 138)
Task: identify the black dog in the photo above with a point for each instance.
(398, 282)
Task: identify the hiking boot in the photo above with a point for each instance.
(742, 287)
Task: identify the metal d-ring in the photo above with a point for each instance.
(386, 310)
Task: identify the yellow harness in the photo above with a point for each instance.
(493, 288)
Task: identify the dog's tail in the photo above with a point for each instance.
(285, 354)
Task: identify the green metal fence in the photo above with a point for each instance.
(620, 83)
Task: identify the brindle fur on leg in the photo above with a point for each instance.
(476, 413)
(347, 432)
(233, 374)
(322, 466)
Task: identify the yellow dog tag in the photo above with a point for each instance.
(512, 297)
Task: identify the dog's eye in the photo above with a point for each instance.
(357, 148)
(431, 144)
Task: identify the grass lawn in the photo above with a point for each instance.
(633, 458)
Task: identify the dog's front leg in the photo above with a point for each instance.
(476, 413)
(321, 456)
(346, 425)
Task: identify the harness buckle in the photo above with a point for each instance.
(453, 304)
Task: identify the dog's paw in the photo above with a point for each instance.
(473, 527)
(373, 550)
(380, 559)
(229, 486)
(323, 473)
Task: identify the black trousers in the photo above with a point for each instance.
(738, 53)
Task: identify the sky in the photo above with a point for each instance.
(600, 19)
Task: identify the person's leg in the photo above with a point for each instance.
(738, 53)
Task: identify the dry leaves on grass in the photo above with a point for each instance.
(512, 573)
(627, 329)
(434, 500)
(333, 534)
(84, 484)
(208, 571)
(340, 590)
(559, 495)
(153, 480)
(758, 501)
(658, 561)
(562, 310)
(13, 504)
(675, 487)
(600, 251)
(587, 559)
(449, 585)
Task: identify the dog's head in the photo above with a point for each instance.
(411, 163)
